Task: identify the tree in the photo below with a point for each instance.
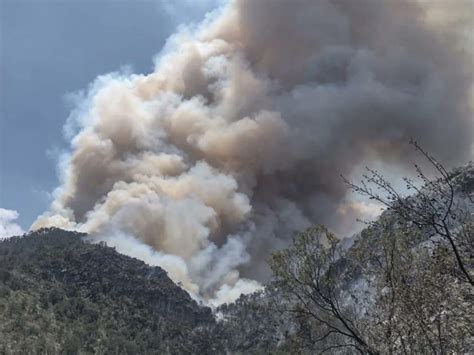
(404, 287)
(308, 274)
(419, 306)
(434, 208)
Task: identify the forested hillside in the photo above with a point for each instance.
(59, 294)
(404, 286)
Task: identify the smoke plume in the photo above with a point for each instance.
(238, 137)
(8, 227)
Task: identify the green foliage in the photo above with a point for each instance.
(420, 305)
(61, 295)
(310, 277)
(393, 292)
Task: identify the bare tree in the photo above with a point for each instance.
(432, 208)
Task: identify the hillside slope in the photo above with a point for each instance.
(433, 285)
(59, 294)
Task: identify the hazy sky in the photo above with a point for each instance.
(49, 48)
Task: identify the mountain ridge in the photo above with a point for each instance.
(61, 293)
(55, 276)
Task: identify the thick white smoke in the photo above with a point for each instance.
(8, 227)
(238, 137)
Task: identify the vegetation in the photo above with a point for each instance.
(309, 276)
(403, 287)
(61, 295)
(433, 208)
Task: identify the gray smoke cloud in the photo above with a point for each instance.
(238, 137)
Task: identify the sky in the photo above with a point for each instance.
(52, 48)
